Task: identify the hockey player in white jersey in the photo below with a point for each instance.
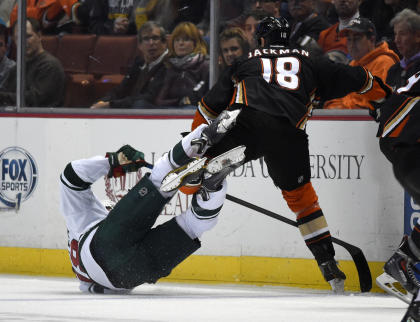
(117, 251)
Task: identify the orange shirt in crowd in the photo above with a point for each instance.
(378, 61)
(329, 40)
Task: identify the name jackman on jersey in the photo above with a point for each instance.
(277, 52)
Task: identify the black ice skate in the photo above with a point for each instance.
(212, 134)
(401, 267)
(333, 275)
(213, 171)
(413, 312)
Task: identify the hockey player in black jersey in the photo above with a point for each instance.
(274, 88)
(399, 140)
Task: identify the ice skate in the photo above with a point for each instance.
(393, 287)
(200, 169)
(401, 267)
(333, 275)
(212, 134)
(413, 311)
(190, 172)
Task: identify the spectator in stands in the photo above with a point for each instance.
(45, 80)
(362, 47)
(187, 75)
(141, 85)
(111, 17)
(406, 26)
(54, 16)
(329, 39)
(252, 19)
(381, 12)
(306, 24)
(6, 7)
(233, 44)
(272, 7)
(6, 64)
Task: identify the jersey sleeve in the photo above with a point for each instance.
(337, 80)
(217, 99)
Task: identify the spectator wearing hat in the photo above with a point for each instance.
(329, 39)
(362, 47)
(6, 64)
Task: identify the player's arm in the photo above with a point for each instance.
(215, 101)
(338, 80)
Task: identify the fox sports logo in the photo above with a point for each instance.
(18, 176)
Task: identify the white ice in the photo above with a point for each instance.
(27, 298)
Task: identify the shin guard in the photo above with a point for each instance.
(312, 224)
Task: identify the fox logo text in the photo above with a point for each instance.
(18, 176)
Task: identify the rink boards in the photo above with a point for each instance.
(362, 202)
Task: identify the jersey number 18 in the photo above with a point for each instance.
(284, 72)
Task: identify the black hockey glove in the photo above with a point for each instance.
(126, 159)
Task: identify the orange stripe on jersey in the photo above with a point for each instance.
(416, 228)
(208, 109)
(402, 112)
(244, 92)
(397, 110)
(395, 133)
(233, 97)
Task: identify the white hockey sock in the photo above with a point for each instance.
(160, 169)
(182, 152)
(193, 226)
(202, 215)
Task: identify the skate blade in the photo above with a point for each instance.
(173, 180)
(337, 285)
(226, 159)
(393, 287)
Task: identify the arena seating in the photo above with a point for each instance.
(93, 64)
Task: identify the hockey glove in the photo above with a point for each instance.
(126, 159)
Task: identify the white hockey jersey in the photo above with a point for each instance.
(80, 207)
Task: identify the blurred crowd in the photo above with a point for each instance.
(167, 46)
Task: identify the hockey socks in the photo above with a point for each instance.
(202, 215)
(183, 151)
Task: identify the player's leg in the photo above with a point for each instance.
(168, 244)
(288, 166)
(402, 266)
(413, 311)
(135, 214)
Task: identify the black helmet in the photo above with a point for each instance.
(275, 31)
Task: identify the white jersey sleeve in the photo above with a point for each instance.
(79, 206)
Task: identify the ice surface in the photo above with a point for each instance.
(27, 298)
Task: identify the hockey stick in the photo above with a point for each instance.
(365, 277)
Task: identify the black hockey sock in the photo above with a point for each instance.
(323, 250)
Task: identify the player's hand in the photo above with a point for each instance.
(126, 159)
(120, 25)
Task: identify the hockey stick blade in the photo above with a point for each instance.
(365, 276)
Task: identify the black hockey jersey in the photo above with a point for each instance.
(283, 82)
